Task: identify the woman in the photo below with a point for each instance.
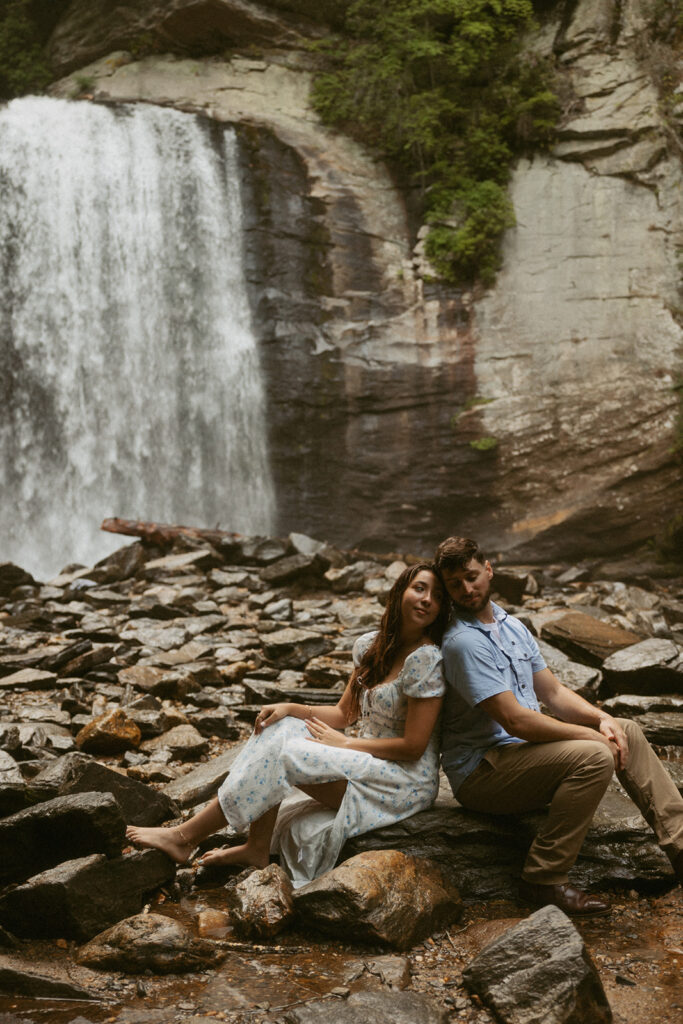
(387, 773)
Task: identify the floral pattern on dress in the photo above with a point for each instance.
(308, 836)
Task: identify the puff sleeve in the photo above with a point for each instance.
(361, 645)
(423, 673)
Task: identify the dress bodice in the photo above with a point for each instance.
(384, 707)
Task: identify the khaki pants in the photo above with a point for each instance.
(571, 776)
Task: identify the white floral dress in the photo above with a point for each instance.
(309, 837)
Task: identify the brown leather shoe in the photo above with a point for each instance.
(572, 901)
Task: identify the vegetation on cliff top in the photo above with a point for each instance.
(442, 90)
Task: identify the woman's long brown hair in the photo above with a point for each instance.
(376, 663)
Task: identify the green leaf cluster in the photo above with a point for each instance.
(441, 89)
(23, 67)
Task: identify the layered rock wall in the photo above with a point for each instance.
(379, 380)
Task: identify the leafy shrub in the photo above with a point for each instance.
(440, 89)
(23, 67)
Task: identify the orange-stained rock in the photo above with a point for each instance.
(380, 896)
(588, 639)
(109, 734)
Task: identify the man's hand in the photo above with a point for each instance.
(610, 728)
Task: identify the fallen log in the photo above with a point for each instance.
(163, 534)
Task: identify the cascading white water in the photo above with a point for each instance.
(130, 375)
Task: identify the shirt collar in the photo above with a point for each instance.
(499, 615)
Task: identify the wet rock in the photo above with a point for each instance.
(378, 1007)
(664, 728)
(201, 558)
(629, 705)
(110, 733)
(29, 679)
(383, 896)
(513, 584)
(184, 742)
(580, 678)
(261, 904)
(149, 942)
(13, 797)
(202, 782)
(213, 924)
(586, 638)
(328, 671)
(61, 829)
(217, 722)
(292, 648)
(295, 567)
(539, 972)
(82, 897)
(78, 773)
(12, 576)
(17, 982)
(393, 971)
(150, 633)
(483, 853)
(9, 769)
(652, 666)
(261, 692)
(348, 578)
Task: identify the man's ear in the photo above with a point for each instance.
(489, 569)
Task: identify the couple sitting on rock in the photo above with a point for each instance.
(301, 786)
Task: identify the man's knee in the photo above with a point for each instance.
(597, 758)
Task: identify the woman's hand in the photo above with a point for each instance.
(269, 714)
(322, 733)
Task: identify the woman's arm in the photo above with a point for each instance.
(421, 717)
(337, 717)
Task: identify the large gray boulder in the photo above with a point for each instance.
(61, 829)
(539, 972)
(79, 773)
(375, 1007)
(653, 666)
(82, 897)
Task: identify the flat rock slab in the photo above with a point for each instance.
(78, 773)
(293, 648)
(653, 666)
(582, 679)
(29, 679)
(588, 640)
(61, 829)
(630, 705)
(380, 896)
(482, 854)
(184, 742)
(202, 782)
(22, 983)
(82, 897)
(664, 728)
(374, 1007)
(149, 942)
(539, 972)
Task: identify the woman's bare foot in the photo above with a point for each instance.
(226, 855)
(170, 841)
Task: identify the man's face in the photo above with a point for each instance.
(469, 588)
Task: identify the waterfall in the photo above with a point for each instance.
(130, 373)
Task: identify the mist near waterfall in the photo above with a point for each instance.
(130, 374)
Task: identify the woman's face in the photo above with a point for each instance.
(421, 601)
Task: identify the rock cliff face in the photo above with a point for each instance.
(378, 380)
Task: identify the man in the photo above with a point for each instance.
(502, 755)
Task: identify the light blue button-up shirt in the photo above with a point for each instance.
(476, 668)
